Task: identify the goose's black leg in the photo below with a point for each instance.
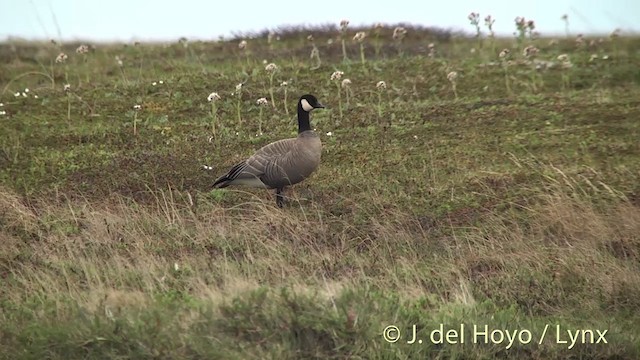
(279, 197)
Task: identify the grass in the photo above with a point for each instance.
(519, 209)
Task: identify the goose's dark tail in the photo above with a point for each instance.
(226, 179)
(222, 182)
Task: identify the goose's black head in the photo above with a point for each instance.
(309, 102)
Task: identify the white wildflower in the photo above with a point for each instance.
(238, 87)
(17, 94)
(160, 82)
(452, 76)
(262, 102)
(530, 51)
(284, 83)
(346, 83)
(118, 60)
(82, 49)
(337, 75)
(62, 57)
(504, 53)
(213, 97)
(26, 90)
(24, 94)
(176, 267)
(271, 68)
(2, 112)
(242, 45)
(381, 85)
(67, 87)
(344, 24)
(329, 133)
(154, 83)
(137, 107)
(359, 36)
(206, 167)
(1, 104)
(563, 57)
(399, 33)
(593, 57)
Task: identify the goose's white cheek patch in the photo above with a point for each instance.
(305, 105)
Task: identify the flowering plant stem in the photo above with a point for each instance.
(379, 106)
(362, 59)
(214, 118)
(238, 106)
(339, 98)
(273, 103)
(286, 110)
(135, 123)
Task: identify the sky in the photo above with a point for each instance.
(143, 20)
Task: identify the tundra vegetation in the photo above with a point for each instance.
(465, 179)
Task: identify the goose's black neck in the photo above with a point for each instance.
(303, 120)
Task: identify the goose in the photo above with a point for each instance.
(281, 163)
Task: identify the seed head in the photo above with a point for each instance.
(118, 60)
(284, 84)
(399, 33)
(359, 36)
(531, 25)
(530, 51)
(488, 21)
(566, 64)
(82, 49)
(337, 75)
(262, 102)
(452, 76)
(242, 45)
(615, 33)
(563, 57)
(346, 83)
(314, 53)
(67, 87)
(343, 25)
(61, 58)
(213, 97)
(329, 133)
(378, 25)
(504, 53)
(310, 37)
(474, 18)
(381, 85)
(271, 67)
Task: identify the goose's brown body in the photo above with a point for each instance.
(281, 163)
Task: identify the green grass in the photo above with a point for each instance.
(517, 210)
